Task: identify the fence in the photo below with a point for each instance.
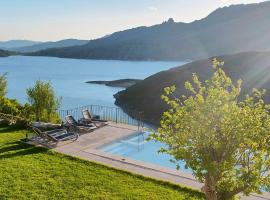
(113, 114)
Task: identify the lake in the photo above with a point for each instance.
(68, 77)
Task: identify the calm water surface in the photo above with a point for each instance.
(68, 77)
(136, 147)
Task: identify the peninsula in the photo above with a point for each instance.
(124, 83)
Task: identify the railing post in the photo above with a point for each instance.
(138, 120)
(116, 120)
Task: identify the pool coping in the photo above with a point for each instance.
(142, 164)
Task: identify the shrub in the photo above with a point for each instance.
(3, 85)
(15, 113)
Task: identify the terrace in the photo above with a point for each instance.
(88, 146)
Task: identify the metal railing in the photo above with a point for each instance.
(113, 114)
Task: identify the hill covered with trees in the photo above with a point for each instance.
(233, 29)
(4, 53)
(252, 67)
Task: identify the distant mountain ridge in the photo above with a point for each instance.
(233, 29)
(252, 67)
(49, 45)
(16, 43)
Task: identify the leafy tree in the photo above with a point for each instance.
(3, 85)
(224, 140)
(43, 100)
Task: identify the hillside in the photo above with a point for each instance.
(233, 29)
(4, 53)
(49, 45)
(252, 67)
(16, 44)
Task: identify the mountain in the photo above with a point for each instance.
(252, 67)
(49, 45)
(233, 29)
(16, 44)
(4, 53)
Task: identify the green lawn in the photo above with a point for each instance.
(28, 172)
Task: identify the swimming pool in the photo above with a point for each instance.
(136, 147)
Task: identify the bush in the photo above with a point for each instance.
(10, 106)
(15, 113)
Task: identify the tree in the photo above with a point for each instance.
(3, 85)
(43, 100)
(224, 140)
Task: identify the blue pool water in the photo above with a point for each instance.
(137, 148)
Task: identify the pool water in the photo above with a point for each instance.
(136, 147)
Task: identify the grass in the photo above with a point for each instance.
(28, 172)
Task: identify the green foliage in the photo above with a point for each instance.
(44, 101)
(29, 172)
(17, 114)
(224, 141)
(10, 106)
(41, 96)
(3, 85)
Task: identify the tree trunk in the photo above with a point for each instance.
(209, 189)
(226, 196)
(210, 192)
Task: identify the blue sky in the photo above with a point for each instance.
(44, 20)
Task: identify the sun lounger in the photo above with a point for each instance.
(57, 135)
(88, 119)
(72, 124)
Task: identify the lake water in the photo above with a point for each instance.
(68, 77)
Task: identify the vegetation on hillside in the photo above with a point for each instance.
(252, 67)
(233, 29)
(13, 111)
(225, 141)
(4, 53)
(42, 107)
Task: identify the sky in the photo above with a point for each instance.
(51, 20)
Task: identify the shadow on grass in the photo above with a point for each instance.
(19, 149)
(10, 129)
